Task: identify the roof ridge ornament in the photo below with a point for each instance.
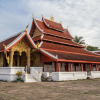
(33, 16)
(60, 22)
(52, 18)
(67, 28)
(26, 28)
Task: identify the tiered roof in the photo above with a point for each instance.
(57, 43)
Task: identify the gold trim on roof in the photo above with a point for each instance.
(52, 19)
(26, 28)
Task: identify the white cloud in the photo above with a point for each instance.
(81, 16)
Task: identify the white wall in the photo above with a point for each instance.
(95, 74)
(9, 73)
(38, 69)
(62, 76)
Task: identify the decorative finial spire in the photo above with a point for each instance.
(61, 22)
(26, 28)
(37, 45)
(67, 28)
(52, 18)
(33, 16)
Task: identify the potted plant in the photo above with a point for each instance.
(19, 74)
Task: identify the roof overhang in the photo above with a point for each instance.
(22, 35)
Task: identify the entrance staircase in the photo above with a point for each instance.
(29, 78)
(34, 76)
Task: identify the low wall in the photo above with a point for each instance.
(95, 74)
(9, 73)
(63, 76)
(45, 74)
(38, 69)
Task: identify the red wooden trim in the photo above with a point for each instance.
(82, 67)
(90, 67)
(98, 67)
(58, 65)
(71, 69)
(64, 60)
(68, 52)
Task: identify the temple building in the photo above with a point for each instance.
(51, 48)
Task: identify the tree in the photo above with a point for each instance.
(79, 40)
(92, 48)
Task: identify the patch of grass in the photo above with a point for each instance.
(74, 83)
(86, 93)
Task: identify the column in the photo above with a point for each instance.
(58, 66)
(90, 67)
(11, 58)
(28, 59)
(82, 67)
(55, 67)
(71, 67)
(66, 66)
(98, 67)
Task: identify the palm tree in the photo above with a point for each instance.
(79, 40)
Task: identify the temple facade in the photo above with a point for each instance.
(51, 48)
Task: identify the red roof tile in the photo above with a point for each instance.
(65, 48)
(69, 56)
(60, 40)
(7, 41)
(41, 26)
(53, 25)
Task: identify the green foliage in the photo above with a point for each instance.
(92, 48)
(79, 40)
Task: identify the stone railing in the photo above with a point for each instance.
(36, 72)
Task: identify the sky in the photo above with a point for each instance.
(81, 17)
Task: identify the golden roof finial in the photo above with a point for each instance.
(33, 16)
(67, 28)
(26, 28)
(52, 19)
(37, 45)
(61, 22)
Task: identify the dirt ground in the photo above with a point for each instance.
(70, 90)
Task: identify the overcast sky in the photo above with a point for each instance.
(81, 16)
